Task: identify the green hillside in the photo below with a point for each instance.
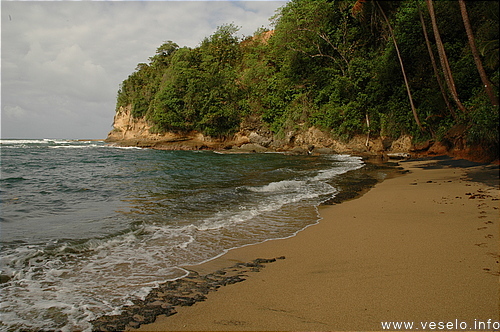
(349, 67)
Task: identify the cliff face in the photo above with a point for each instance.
(130, 131)
(252, 137)
(125, 127)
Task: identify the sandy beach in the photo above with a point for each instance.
(422, 247)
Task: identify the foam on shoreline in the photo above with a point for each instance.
(417, 248)
(354, 183)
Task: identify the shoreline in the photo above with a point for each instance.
(181, 291)
(298, 292)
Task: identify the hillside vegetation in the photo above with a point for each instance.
(379, 68)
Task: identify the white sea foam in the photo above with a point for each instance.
(342, 164)
(279, 186)
(74, 146)
(24, 141)
(47, 142)
(123, 147)
(274, 196)
(130, 264)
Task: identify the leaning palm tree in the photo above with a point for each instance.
(443, 58)
(434, 65)
(357, 8)
(484, 78)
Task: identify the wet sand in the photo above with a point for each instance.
(420, 247)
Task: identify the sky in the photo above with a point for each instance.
(63, 61)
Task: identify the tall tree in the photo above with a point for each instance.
(434, 65)
(356, 9)
(472, 43)
(443, 58)
(318, 29)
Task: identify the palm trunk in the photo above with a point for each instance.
(444, 59)
(413, 109)
(484, 78)
(434, 66)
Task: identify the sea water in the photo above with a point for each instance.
(86, 227)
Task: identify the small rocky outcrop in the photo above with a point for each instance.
(186, 291)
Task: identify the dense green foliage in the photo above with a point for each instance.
(331, 64)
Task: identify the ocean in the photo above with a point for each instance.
(87, 227)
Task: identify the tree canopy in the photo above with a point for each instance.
(350, 67)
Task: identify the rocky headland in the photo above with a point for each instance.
(254, 136)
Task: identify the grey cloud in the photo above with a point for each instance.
(62, 62)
